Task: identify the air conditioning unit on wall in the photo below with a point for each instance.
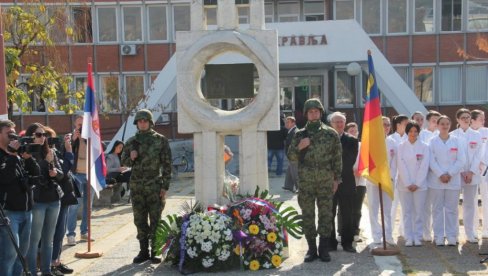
(128, 49)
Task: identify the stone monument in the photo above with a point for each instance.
(209, 124)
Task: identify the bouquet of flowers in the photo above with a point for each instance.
(207, 240)
(259, 241)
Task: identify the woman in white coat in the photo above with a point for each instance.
(398, 136)
(478, 124)
(447, 159)
(413, 165)
(471, 174)
(373, 195)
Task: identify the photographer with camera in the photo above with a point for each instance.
(64, 154)
(15, 199)
(47, 194)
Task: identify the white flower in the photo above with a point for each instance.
(276, 251)
(215, 237)
(228, 234)
(246, 262)
(266, 265)
(206, 246)
(225, 255)
(192, 252)
(207, 262)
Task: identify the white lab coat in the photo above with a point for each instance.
(445, 157)
(427, 135)
(484, 183)
(395, 140)
(413, 166)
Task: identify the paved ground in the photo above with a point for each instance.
(114, 235)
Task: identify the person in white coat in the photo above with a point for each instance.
(478, 124)
(373, 195)
(419, 118)
(425, 136)
(413, 165)
(471, 173)
(399, 136)
(447, 159)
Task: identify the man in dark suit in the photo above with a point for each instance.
(347, 189)
(291, 179)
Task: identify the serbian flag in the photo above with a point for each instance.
(91, 130)
(373, 159)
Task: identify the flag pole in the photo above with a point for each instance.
(88, 254)
(382, 216)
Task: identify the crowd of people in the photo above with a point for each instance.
(43, 182)
(432, 168)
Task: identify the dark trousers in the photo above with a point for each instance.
(358, 204)
(345, 203)
(59, 232)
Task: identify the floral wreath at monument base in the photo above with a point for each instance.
(250, 232)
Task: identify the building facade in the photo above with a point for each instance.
(438, 47)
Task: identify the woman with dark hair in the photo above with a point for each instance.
(447, 159)
(398, 125)
(471, 173)
(47, 195)
(413, 166)
(116, 172)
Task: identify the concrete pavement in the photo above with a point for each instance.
(114, 234)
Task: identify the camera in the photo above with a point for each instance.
(26, 144)
(303, 134)
(54, 141)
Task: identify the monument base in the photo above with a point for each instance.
(88, 255)
(389, 251)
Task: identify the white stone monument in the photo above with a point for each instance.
(209, 124)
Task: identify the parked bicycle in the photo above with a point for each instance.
(183, 162)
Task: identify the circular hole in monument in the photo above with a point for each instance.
(229, 81)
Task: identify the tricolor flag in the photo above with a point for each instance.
(91, 130)
(373, 159)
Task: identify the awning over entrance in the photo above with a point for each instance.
(319, 42)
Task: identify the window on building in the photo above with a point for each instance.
(423, 83)
(397, 16)
(57, 29)
(424, 16)
(269, 12)
(107, 24)
(181, 18)
(132, 24)
(78, 85)
(211, 15)
(344, 89)
(451, 11)
(476, 83)
(157, 23)
(288, 11)
(82, 24)
(477, 15)
(450, 84)
(134, 87)
(403, 72)
(314, 10)
(243, 13)
(344, 9)
(109, 93)
(371, 16)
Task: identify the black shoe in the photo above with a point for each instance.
(324, 250)
(288, 189)
(312, 251)
(349, 248)
(141, 257)
(144, 253)
(333, 244)
(55, 272)
(64, 269)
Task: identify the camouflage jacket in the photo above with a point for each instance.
(324, 151)
(152, 168)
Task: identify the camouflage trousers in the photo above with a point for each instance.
(146, 206)
(310, 194)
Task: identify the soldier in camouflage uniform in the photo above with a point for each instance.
(317, 149)
(149, 155)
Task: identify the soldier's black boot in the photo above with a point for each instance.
(312, 251)
(144, 253)
(324, 249)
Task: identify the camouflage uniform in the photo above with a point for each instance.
(318, 166)
(151, 172)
